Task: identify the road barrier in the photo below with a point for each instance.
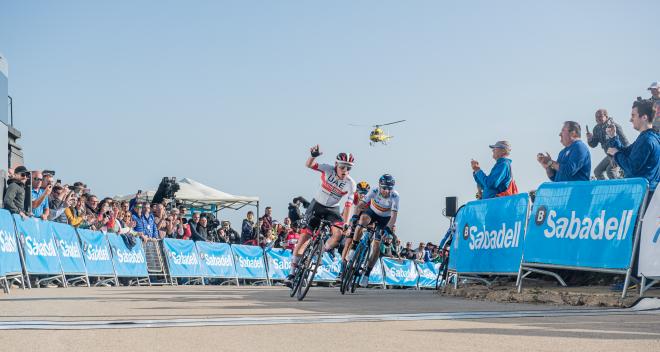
(428, 274)
(250, 262)
(70, 253)
(98, 257)
(216, 260)
(587, 226)
(278, 262)
(54, 252)
(400, 272)
(490, 236)
(182, 259)
(649, 249)
(128, 262)
(39, 250)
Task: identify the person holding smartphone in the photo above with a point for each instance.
(599, 136)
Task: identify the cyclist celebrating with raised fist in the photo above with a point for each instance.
(380, 206)
(336, 184)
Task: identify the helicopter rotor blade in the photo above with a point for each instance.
(356, 125)
(390, 123)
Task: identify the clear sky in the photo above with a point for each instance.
(232, 94)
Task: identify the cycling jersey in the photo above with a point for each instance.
(380, 205)
(333, 189)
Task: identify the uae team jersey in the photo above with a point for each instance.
(332, 188)
(380, 205)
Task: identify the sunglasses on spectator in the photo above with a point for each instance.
(37, 179)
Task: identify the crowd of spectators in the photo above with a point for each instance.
(573, 163)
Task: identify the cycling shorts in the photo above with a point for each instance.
(380, 221)
(317, 212)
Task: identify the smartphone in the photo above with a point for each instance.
(139, 191)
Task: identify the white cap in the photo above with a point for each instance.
(654, 85)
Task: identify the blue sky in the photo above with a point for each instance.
(232, 94)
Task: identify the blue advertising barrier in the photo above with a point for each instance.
(584, 226)
(490, 235)
(400, 273)
(39, 249)
(376, 276)
(279, 263)
(182, 259)
(249, 261)
(10, 259)
(128, 262)
(428, 274)
(329, 270)
(68, 247)
(216, 259)
(96, 253)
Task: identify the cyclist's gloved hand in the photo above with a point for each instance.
(315, 151)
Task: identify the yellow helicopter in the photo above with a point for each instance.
(378, 135)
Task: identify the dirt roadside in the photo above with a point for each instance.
(588, 296)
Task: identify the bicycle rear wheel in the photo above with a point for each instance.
(309, 270)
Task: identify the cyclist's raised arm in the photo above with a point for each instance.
(314, 151)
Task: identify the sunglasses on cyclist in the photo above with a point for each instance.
(386, 188)
(344, 167)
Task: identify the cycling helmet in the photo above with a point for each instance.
(386, 181)
(345, 158)
(363, 187)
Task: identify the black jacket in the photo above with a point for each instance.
(14, 199)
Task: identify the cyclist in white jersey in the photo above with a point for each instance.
(380, 207)
(336, 184)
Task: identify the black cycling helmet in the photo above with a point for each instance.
(386, 181)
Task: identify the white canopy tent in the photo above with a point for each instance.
(198, 195)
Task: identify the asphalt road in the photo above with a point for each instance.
(265, 318)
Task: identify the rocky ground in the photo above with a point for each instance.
(548, 293)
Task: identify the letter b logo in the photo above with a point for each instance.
(540, 215)
(466, 231)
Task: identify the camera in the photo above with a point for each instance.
(166, 190)
(295, 215)
(212, 222)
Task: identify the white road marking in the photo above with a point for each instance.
(653, 308)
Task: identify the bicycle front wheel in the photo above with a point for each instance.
(311, 266)
(297, 278)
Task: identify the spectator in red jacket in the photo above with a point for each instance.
(292, 237)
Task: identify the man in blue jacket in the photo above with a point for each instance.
(642, 158)
(500, 175)
(574, 161)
